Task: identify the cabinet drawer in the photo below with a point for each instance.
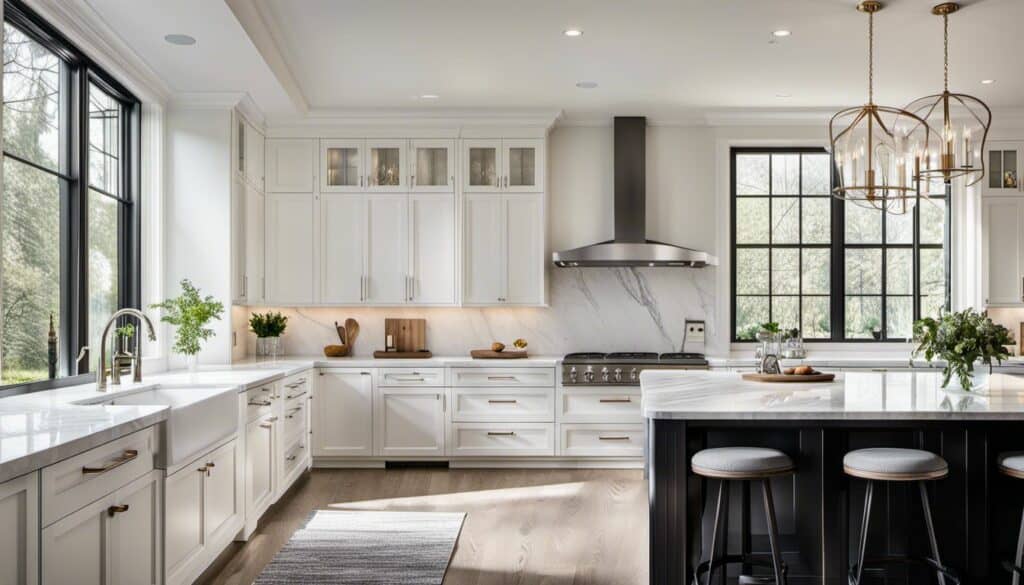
(293, 462)
(294, 418)
(599, 405)
(503, 404)
(259, 401)
(411, 377)
(86, 477)
(295, 386)
(503, 377)
(502, 439)
(596, 440)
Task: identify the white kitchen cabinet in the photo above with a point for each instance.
(184, 537)
(387, 262)
(483, 276)
(432, 249)
(254, 151)
(1003, 251)
(290, 165)
(509, 165)
(432, 166)
(503, 255)
(289, 248)
(363, 166)
(19, 540)
(115, 540)
(260, 445)
(386, 166)
(481, 166)
(254, 233)
(1003, 165)
(343, 248)
(238, 259)
(342, 413)
(409, 421)
(524, 249)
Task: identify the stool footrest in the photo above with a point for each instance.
(1012, 568)
(949, 573)
(755, 559)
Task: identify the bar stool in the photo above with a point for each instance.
(890, 464)
(742, 464)
(1012, 464)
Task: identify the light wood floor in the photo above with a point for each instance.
(523, 527)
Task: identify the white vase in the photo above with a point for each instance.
(979, 382)
(192, 362)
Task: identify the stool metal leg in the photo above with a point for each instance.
(723, 485)
(773, 532)
(931, 530)
(862, 544)
(1018, 559)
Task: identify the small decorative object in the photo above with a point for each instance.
(519, 344)
(190, 313)
(497, 346)
(268, 328)
(768, 353)
(1020, 351)
(793, 345)
(1010, 179)
(51, 350)
(336, 350)
(961, 340)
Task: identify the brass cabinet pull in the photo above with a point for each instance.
(290, 396)
(615, 400)
(291, 413)
(128, 455)
(512, 378)
(291, 458)
(397, 379)
(117, 509)
(203, 469)
(266, 425)
(501, 433)
(272, 419)
(495, 401)
(260, 403)
(616, 438)
(211, 465)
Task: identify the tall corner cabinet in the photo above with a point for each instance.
(1003, 225)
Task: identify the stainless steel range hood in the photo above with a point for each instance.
(631, 246)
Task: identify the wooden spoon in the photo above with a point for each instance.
(341, 332)
(351, 331)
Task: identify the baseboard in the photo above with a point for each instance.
(491, 463)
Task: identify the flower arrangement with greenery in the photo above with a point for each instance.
(268, 324)
(190, 313)
(961, 340)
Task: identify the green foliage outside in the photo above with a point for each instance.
(962, 340)
(269, 324)
(189, 313)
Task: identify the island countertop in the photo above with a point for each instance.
(706, 395)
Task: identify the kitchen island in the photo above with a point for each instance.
(976, 509)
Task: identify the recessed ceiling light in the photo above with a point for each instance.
(586, 84)
(988, 81)
(572, 32)
(783, 95)
(781, 33)
(429, 96)
(178, 39)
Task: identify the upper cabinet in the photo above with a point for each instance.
(508, 165)
(291, 165)
(249, 151)
(1003, 251)
(289, 255)
(1003, 164)
(432, 166)
(503, 255)
(357, 166)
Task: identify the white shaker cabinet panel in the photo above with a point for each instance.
(19, 539)
(222, 494)
(238, 240)
(342, 413)
(136, 533)
(343, 248)
(184, 538)
(289, 248)
(483, 249)
(1003, 251)
(432, 249)
(432, 166)
(290, 165)
(254, 278)
(260, 445)
(409, 421)
(523, 165)
(524, 229)
(254, 150)
(387, 275)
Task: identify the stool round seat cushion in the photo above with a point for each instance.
(1012, 464)
(741, 463)
(893, 464)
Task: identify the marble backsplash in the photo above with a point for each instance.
(591, 309)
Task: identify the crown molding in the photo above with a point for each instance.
(220, 100)
(84, 27)
(419, 118)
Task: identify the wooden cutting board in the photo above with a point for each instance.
(486, 354)
(402, 355)
(409, 334)
(789, 377)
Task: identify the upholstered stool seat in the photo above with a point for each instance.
(886, 464)
(741, 463)
(1012, 464)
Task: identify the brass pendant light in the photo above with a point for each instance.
(959, 121)
(875, 147)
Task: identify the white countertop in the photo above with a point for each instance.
(703, 395)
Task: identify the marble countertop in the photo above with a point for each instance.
(703, 395)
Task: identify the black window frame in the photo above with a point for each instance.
(837, 247)
(81, 71)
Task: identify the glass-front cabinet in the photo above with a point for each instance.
(341, 166)
(431, 165)
(482, 168)
(521, 163)
(1002, 168)
(510, 165)
(385, 165)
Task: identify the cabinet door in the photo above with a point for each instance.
(387, 263)
(222, 497)
(343, 248)
(341, 166)
(19, 540)
(291, 165)
(524, 249)
(254, 156)
(1002, 168)
(410, 421)
(135, 533)
(385, 166)
(432, 166)
(289, 249)
(342, 413)
(432, 249)
(481, 168)
(241, 131)
(259, 465)
(1002, 251)
(523, 165)
(254, 281)
(238, 240)
(184, 537)
(483, 250)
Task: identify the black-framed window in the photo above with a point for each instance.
(70, 211)
(834, 270)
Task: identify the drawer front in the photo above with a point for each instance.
(296, 386)
(294, 417)
(498, 439)
(503, 404)
(259, 401)
(599, 405)
(86, 477)
(596, 440)
(503, 377)
(411, 377)
(294, 461)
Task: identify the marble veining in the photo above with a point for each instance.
(696, 395)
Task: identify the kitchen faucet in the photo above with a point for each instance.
(115, 370)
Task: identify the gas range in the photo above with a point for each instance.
(623, 368)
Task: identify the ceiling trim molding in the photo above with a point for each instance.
(266, 37)
(423, 118)
(220, 100)
(84, 27)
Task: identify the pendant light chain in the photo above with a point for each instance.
(945, 51)
(871, 57)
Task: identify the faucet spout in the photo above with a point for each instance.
(101, 366)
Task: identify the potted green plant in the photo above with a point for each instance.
(962, 340)
(190, 313)
(268, 328)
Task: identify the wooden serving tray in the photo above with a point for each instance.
(486, 354)
(789, 377)
(402, 355)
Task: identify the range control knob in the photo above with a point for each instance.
(589, 374)
(634, 375)
(573, 374)
(604, 374)
(618, 374)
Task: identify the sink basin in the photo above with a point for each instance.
(199, 418)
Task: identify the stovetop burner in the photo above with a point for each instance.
(681, 356)
(584, 355)
(626, 356)
(623, 368)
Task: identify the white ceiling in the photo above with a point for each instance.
(667, 59)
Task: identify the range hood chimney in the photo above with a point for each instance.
(631, 246)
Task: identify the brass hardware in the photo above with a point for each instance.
(266, 426)
(616, 438)
(290, 396)
(291, 458)
(211, 465)
(203, 469)
(504, 378)
(272, 419)
(397, 379)
(870, 6)
(128, 455)
(945, 8)
(291, 413)
(615, 400)
(501, 401)
(259, 403)
(117, 509)
(501, 433)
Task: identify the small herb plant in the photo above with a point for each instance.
(770, 327)
(268, 324)
(127, 331)
(961, 339)
(190, 313)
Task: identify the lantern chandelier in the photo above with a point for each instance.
(959, 121)
(878, 149)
